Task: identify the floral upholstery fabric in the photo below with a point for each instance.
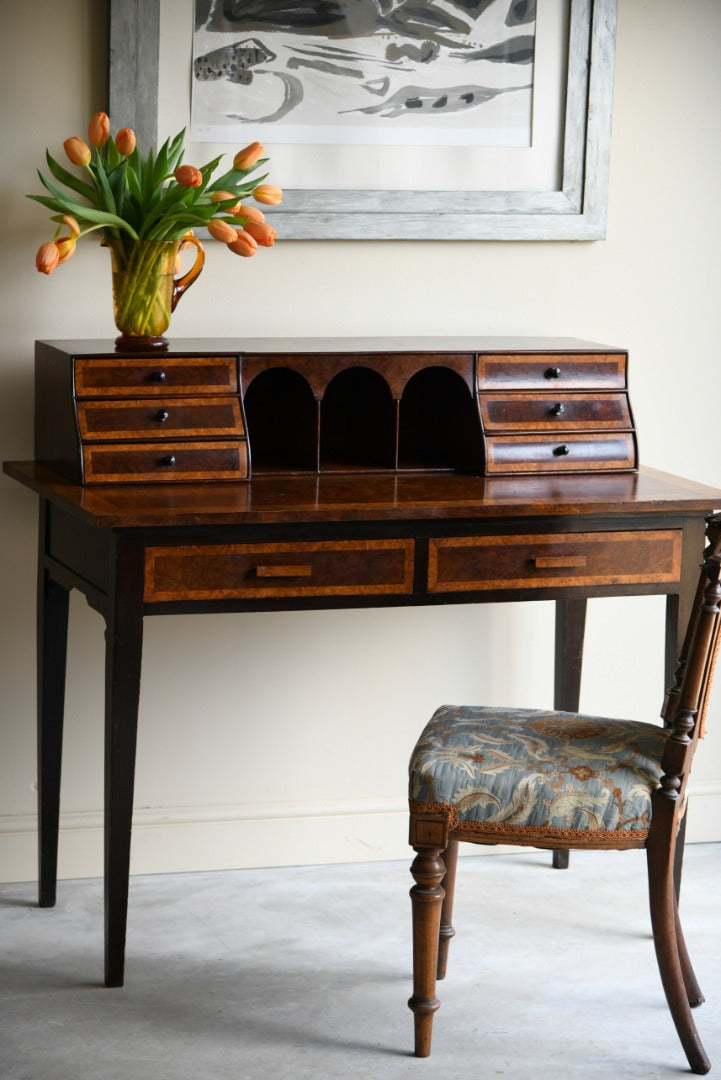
(556, 774)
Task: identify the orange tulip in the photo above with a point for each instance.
(72, 224)
(221, 230)
(263, 234)
(244, 244)
(188, 176)
(268, 194)
(250, 213)
(78, 151)
(99, 129)
(66, 247)
(47, 258)
(225, 196)
(125, 141)
(248, 156)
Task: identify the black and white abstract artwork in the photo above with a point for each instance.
(401, 72)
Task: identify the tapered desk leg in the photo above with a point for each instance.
(52, 637)
(123, 653)
(570, 631)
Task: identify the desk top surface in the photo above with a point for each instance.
(309, 498)
(103, 347)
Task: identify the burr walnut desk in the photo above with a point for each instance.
(464, 489)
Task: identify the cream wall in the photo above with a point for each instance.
(283, 738)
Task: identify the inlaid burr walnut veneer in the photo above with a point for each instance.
(494, 407)
(279, 475)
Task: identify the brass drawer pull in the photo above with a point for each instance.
(559, 562)
(284, 570)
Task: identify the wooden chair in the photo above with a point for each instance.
(564, 780)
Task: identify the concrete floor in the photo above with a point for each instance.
(305, 973)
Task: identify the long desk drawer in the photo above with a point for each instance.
(461, 564)
(264, 571)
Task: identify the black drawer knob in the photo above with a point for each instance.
(562, 450)
(168, 460)
(161, 416)
(157, 377)
(553, 373)
(557, 409)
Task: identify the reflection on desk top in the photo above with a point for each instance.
(383, 497)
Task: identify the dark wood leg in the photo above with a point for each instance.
(427, 896)
(693, 990)
(570, 632)
(670, 951)
(450, 861)
(123, 653)
(52, 637)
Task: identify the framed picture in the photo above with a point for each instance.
(370, 181)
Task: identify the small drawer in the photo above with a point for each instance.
(560, 412)
(159, 418)
(118, 463)
(533, 562)
(120, 377)
(550, 371)
(560, 453)
(264, 571)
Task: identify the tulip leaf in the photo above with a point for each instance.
(175, 151)
(133, 182)
(148, 180)
(101, 180)
(85, 213)
(114, 157)
(67, 178)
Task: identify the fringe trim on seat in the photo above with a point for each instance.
(480, 832)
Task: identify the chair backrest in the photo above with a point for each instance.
(686, 702)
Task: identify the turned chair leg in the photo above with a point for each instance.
(450, 861)
(673, 963)
(427, 897)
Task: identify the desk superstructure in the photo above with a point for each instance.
(320, 531)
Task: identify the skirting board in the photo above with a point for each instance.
(180, 839)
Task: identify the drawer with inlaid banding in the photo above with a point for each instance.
(572, 559)
(265, 571)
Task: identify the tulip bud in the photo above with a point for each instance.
(188, 176)
(248, 156)
(250, 213)
(72, 224)
(262, 233)
(66, 247)
(78, 151)
(47, 258)
(99, 129)
(244, 244)
(268, 193)
(225, 196)
(221, 230)
(125, 141)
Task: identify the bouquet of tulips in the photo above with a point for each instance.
(130, 197)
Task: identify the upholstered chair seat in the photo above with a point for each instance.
(514, 775)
